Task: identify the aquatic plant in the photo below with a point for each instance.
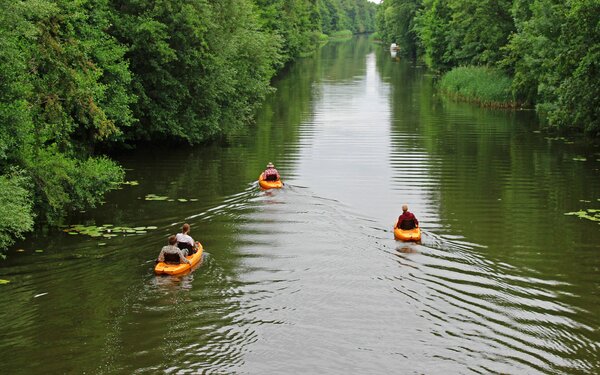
(592, 214)
(107, 230)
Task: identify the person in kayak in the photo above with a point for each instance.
(407, 220)
(185, 241)
(172, 253)
(271, 174)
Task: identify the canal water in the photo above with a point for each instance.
(309, 279)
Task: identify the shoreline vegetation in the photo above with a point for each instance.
(549, 50)
(479, 85)
(341, 35)
(79, 77)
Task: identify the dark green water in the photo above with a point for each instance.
(309, 279)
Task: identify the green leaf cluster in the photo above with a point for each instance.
(16, 215)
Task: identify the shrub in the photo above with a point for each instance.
(16, 215)
(63, 184)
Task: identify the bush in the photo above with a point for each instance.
(16, 215)
(322, 38)
(64, 184)
(481, 85)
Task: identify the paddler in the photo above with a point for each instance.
(172, 252)
(407, 220)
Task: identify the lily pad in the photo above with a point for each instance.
(591, 214)
(20, 250)
(580, 158)
(2, 281)
(106, 230)
(101, 243)
(39, 251)
(131, 183)
(182, 200)
(154, 197)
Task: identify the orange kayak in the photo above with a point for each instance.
(407, 235)
(163, 268)
(264, 184)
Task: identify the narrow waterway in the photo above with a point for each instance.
(309, 279)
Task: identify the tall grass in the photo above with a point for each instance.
(484, 86)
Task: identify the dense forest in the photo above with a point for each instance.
(548, 50)
(81, 76)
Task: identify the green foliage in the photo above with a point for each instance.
(196, 73)
(554, 58)
(63, 184)
(81, 82)
(294, 21)
(478, 30)
(433, 28)
(462, 32)
(578, 104)
(531, 54)
(481, 85)
(16, 215)
(16, 125)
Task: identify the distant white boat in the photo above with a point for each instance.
(394, 50)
